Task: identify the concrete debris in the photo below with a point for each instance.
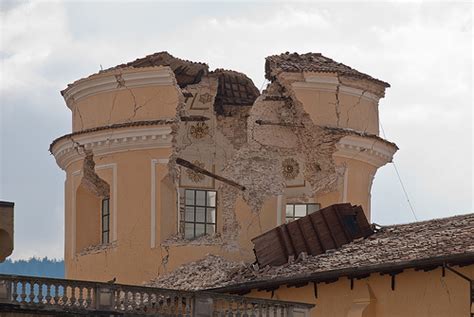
(211, 271)
(390, 245)
(178, 239)
(92, 249)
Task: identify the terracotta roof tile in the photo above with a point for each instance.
(186, 72)
(311, 62)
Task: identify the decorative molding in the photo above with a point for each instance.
(369, 150)
(73, 214)
(290, 168)
(153, 199)
(279, 209)
(346, 184)
(114, 211)
(69, 150)
(117, 80)
(331, 84)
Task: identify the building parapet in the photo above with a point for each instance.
(49, 295)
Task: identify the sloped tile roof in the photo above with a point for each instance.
(311, 62)
(412, 245)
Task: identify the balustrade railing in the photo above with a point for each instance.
(49, 294)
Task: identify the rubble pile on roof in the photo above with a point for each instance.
(311, 62)
(391, 245)
(209, 272)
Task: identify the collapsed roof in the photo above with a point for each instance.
(311, 62)
(234, 88)
(186, 72)
(424, 245)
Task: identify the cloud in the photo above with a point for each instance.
(424, 50)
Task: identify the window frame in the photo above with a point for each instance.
(105, 219)
(207, 206)
(293, 217)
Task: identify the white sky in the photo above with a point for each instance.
(424, 50)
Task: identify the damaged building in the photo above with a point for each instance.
(169, 161)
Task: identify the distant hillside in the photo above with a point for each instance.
(34, 266)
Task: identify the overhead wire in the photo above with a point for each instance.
(400, 178)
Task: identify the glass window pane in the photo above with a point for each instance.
(189, 195)
(200, 214)
(289, 210)
(200, 198)
(211, 215)
(105, 206)
(210, 229)
(189, 214)
(211, 198)
(312, 208)
(105, 237)
(189, 230)
(300, 210)
(105, 224)
(199, 229)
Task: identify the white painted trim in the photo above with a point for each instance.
(178, 205)
(331, 84)
(114, 194)
(368, 150)
(279, 209)
(346, 184)
(73, 214)
(369, 201)
(107, 81)
(153, 204)
(111, 141)
(73, 207)
(153, 163)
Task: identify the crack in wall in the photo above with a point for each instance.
(337, 104)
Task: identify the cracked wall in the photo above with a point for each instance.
(125, 103)
(279, 144)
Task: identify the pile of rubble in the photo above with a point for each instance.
(210, 272)
(389, 246)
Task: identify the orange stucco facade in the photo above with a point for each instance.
(415, 293)
(133, 158)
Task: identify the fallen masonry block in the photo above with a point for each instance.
(325, 229)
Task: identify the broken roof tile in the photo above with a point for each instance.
(186, 72)
(403, 245)
(235, 89)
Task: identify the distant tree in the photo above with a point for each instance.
(34, 266)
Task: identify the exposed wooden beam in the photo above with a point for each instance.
(201, 170)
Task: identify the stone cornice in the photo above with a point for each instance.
(71, 148)
(117, 79)
(331, 84)
(373, 151)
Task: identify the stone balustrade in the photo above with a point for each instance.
(36, 295)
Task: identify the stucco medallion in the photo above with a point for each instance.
(200, 130)
(195, 176)
(291, 168)
(205, 98)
